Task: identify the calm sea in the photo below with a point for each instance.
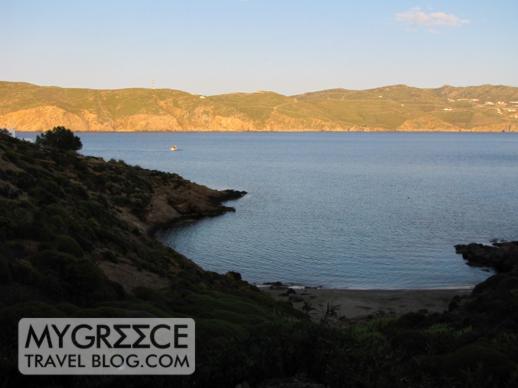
(348, 210)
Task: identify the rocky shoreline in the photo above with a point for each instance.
(164, 215)
(174, 202)
(501, 255)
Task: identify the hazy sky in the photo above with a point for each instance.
(288, 46)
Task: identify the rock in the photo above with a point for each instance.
(501, 256)
(233, 194)
(276, 285)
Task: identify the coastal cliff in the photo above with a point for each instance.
(391, 108)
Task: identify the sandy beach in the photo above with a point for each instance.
(356, 304)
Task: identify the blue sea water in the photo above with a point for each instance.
(347, 210)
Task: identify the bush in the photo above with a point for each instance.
(68, 245)
(5, 271)
(51, 261)
(60, 138)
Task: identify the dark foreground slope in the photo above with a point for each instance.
(74, 241)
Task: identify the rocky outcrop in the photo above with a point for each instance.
(494, 302)
(501, 256)
(171, 204)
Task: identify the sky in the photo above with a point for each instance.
(288, 46)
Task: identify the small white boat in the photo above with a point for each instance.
(173, 148)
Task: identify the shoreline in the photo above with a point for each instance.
(296, 287)
(344, 304)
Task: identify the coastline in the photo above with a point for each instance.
(120, 269)
(354, 304)
(339, 304)
(174, 200)
(344, 304)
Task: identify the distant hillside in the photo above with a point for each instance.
(477, 108)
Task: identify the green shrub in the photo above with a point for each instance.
(5, 271)
(24, 272)
(67, 244)
(52, 261)
(60, 138)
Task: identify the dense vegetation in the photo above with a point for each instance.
(72, 226)
(397, 107)
(61, 138)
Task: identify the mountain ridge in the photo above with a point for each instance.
(481, 108)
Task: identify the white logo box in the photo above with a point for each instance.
(106, 346)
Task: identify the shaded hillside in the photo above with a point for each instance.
(479, 108)
(74, 241)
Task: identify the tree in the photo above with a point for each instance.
(61, 138)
